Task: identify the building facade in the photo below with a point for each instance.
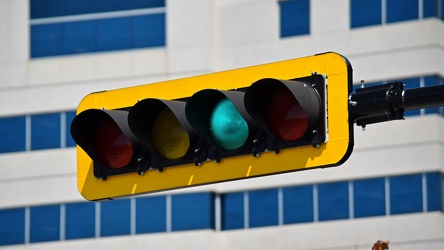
(53, 53)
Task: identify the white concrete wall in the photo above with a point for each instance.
(205, 36)
(14, 43)
(190, 36)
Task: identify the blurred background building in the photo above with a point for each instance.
(53, 53)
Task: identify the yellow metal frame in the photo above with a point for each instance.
(332, 153)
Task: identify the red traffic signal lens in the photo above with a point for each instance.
(286, 118)
(113, 148)
(169, 138)
(228, 128)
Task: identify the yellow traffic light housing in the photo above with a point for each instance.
(255, 121)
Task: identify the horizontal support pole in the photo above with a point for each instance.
(389, 101)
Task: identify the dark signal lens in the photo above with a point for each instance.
(228, 128)
(286, 118)
(170, 139)
(113, 148)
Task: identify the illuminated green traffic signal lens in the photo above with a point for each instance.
(112, 147)
(286, 118)
(170, 139)
(227, 127)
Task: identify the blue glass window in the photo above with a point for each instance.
(77, 7)
(365, 13)
(441, 11)
(333, 201)
(80, 220)
(232, 211)
(263, 208)
(95, 33)
(98, 35)
(12, 226)
(294, 17)
(155, 25)
(115, 217)
(69, 117)
(53, 8)
(369, 197)
(46, 8)
(298, 204)
(45, 131)
(45, 223)
(406, 194)
(46, 40)
(78, 37)
(434, 191)
(113, 34)
(401, 10)
(192, 211)
(12, 134)
(431, 8)
(151, 214)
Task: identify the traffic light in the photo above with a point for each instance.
(222, 121)
(291, 112)
(248, 122)
(166, 133)
(107, 139)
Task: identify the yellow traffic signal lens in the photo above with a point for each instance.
(113, 148)
(170, 139)
(227, 127)
(285, 116)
